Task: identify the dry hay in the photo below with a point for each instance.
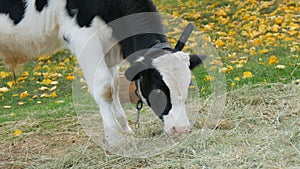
(260, 128)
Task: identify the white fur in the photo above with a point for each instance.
(177, 77)
(42, 33)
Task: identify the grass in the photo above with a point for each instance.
(259, 127)
(260, 130)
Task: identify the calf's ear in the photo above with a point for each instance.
(196, 60)
(135, 71)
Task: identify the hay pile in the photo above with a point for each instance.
(260, 128)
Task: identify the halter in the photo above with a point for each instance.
(179, 46)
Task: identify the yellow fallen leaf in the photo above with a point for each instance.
(25, 74)
(53, 94)
(193, 87)
(21, 103)
(13, 115)
(263, 51)
(59, 101)
(24, 94)
(35, 97)
(221, 12)
(4, 75)
(46, 81)
(272, 60)
(257, 42)
(278, 20)
(17, 132)
(209, 78)
(70, 77)
(280, 67)
(247, 75)
(54, 82)
(7, 107)
(15, 95)
(45, 95)
(43, 88)
(237, 79)
(11, 84)
(53, 88)
(220, 43)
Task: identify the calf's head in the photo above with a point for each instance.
(163, 81)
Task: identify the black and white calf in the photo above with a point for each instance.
(30, 28)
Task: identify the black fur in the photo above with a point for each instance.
(150, 81)
(110, 10)
(41, 4)
(196, 60)
(133, 47)
(15, 9)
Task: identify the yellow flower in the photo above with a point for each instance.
(272, 60)
(233, 84)
(247, 75)
(17, 132)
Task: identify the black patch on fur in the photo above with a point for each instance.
(109, 10)
(150, 81)
(15, 9)
(66, 39)
(41, 4)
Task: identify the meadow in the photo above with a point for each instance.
(258, 45)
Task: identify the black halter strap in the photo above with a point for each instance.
(155, 51)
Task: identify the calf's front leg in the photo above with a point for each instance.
(86, 45)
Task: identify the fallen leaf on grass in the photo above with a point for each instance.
(247, 75)
(17, 132)
(24, 94)
(3, 90)
(272, 60)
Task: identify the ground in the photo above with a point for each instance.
(258, 47)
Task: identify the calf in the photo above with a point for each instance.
(101, 33)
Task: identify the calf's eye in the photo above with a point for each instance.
(158, 101)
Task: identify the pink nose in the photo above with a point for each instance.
(179, 131)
